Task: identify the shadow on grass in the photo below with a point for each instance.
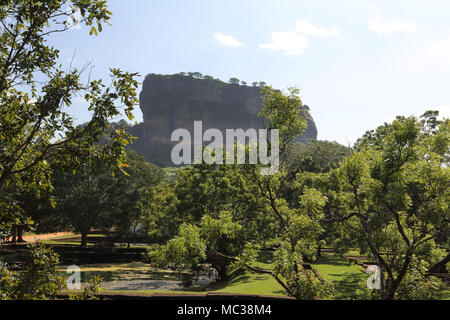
(346, 276)
(333, 260)
(235, 278)
(348, 284)
(248, 282)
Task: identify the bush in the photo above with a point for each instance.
(39, 281)
(91, 291)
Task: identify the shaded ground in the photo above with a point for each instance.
(159, 285)
(345, 275)
(249, 282)
(126, 273)
(47, 236)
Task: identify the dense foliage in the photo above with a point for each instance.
(35, 129)
(388, 197)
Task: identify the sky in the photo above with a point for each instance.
(357, 63)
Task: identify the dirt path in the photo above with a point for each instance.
(46, 236)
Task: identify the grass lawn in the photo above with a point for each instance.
(346, 277)
(445, 295)
(57, 243)
(61, 240)
(249, 282)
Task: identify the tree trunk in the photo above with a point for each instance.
(319, 253)
(84, 239)
(20, 234)
(439, 267)
(401, 275)
(14, 234)
(221, 272)
(382, 280)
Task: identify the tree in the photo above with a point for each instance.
(308, 166)
(34, 91)
(213, 199)
(209, 78)
(39, 280)
(216, 200)
(104, 196)
(159, 215)
(315, 156)
(234, 81)
(83, 199)
(393, 197)
(132, 193)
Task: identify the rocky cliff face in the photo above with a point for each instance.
(176, 101)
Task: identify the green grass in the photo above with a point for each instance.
(345, 277)
(445, 294)
(57, 240)
(249, 282)
(56, 243)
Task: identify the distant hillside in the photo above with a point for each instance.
(169, 102)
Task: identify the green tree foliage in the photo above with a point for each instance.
(283, 112)
(233, 208)
(216, 199)
(184, 251)
(34, 90)
(132, 194)
(393, 198)
(208, 77)
(84, 198)
(91, 291)
(160, 219)
(103, 196)
(39, 280)
(304, 160)
(234, 81)
(315, 156)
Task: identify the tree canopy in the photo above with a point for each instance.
(34, 91)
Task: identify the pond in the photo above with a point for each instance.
(138, 276)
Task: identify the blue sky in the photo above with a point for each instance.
(358, 63)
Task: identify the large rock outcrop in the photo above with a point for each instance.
(176, 101)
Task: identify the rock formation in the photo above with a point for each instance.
(169, 102)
